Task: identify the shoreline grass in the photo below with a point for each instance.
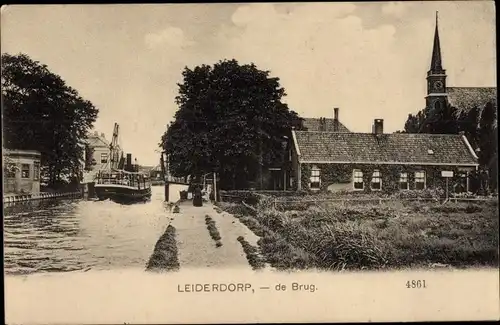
(213, 231)
(385, 236)
(165, 254)
(252, 254)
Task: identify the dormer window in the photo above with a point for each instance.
(430, 152)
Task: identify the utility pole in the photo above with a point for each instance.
(164, 172)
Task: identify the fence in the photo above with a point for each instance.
(251, 198)
(39, 196)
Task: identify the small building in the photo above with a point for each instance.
(21, 171)
(365, 162)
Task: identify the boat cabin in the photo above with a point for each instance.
(124, 178)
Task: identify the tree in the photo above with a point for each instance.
(230, 120)
(488, 142)
(41, 112)
(479, 124)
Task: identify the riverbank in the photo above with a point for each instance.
(14, 198)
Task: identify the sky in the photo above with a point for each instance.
(369, 59)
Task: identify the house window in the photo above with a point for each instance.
(358, 179)
(403, 181)
(104, 158)
(25, 171)
(315, 178)
(420, 180)
(36, 170)
(376, 183)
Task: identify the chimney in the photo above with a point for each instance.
(322, 124)
(102, 135)
(378, 126)
(96, 133)
(336, 119)
(129, 161)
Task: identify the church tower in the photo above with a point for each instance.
(436, 77)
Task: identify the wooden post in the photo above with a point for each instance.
(446, 189)
(164, 171)
(299, 176)
(215, 186)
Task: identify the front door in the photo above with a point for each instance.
(277, 180)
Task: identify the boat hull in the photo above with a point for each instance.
(121, 193)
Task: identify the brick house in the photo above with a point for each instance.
(365, 162)
(279, 177)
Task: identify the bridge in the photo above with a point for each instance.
(171, 180)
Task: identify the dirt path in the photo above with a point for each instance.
(195, 246)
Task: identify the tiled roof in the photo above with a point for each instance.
(465, 98)
(385, 148)
(313, 124)
(96, 141)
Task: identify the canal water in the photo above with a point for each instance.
(71, 235)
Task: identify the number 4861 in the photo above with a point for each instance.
(415, 284)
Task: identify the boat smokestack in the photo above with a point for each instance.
(129, 161)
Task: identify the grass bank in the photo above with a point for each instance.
(164, 257)
(389, 235)
(252, 254)
(214, 232)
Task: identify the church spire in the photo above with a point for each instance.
(436, 64)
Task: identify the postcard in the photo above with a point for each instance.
(250, 162)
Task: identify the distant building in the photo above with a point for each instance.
(367, 162)
(100, 151)
(21, 171)
(325, 124)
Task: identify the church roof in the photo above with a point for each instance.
(387, 148)
(314, 124)
(465, 98)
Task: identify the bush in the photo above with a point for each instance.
(252, 254)
(164, 256)
(212, 229)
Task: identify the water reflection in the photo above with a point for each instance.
(67, 235)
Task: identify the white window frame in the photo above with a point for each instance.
(105, 155)
(400, 181)
(318, 176)
(354, 177)
(380, 180)
(424, 178)
(23, 169)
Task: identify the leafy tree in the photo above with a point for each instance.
(488, 142)
(230, 120)
(479, 124)
(41, 112)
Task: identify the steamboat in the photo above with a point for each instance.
(121, 180)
